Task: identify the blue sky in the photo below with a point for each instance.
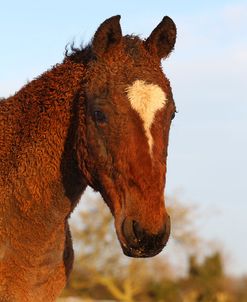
(208, 72)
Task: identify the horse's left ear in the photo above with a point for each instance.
(107, 35)
(162, 39)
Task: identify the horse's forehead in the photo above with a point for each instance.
(146, 99)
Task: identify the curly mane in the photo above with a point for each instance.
(82, 54)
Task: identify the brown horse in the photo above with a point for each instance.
(101, 118)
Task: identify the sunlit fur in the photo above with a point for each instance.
(146, 99)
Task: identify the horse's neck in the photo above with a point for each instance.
(35, 195)
(41, 106)
(35, 124)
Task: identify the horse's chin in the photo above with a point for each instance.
(140, 252)
(138, 243)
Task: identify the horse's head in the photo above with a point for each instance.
(128, 108)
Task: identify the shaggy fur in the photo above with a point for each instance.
(74, 127)
(34, 234)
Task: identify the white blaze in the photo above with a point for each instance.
(146, 99)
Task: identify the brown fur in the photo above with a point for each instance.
(51, 148)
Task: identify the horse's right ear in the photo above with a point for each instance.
(107, 35)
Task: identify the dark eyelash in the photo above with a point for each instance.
(99, 116)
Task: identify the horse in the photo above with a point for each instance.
(100, 118)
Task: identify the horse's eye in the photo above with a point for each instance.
(99, 116)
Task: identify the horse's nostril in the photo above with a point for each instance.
(138, 230)
(129, 233)
(133, 232)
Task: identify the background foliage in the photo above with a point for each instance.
(102, 272)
